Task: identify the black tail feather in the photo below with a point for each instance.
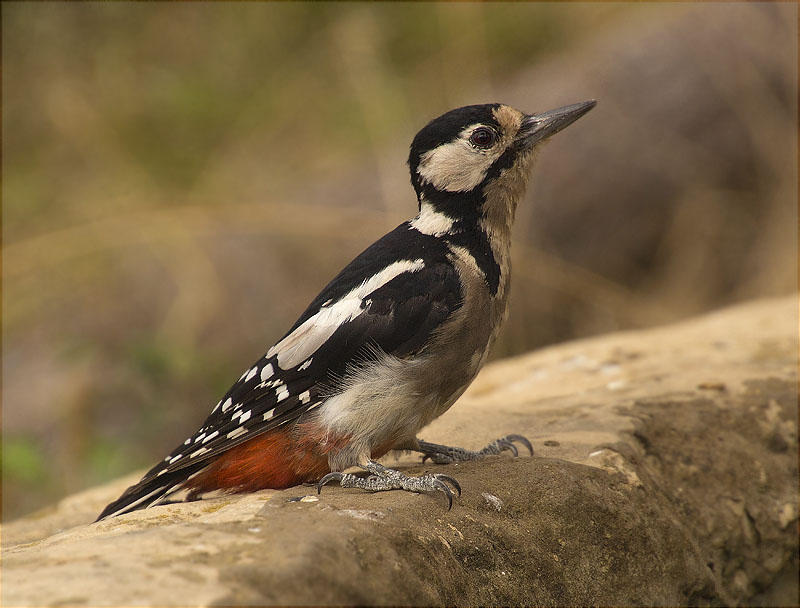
(149, 490)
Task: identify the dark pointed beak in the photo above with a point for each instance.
(537, 127)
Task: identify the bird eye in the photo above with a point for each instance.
(482, 137)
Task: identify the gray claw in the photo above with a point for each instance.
(443, 487)
(449, 479)
(523, 440)
(503, 444)
(335, 475)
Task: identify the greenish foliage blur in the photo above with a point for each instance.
(23, 461)
(169, 85)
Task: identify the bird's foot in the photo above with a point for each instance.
(443, 454)
(383, 478)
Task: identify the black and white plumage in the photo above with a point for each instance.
(391, 342)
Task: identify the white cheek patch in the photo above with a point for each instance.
(304, 341)
(457, 166)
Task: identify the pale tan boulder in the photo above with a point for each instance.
(665, 473)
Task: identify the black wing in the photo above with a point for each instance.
(415, 290)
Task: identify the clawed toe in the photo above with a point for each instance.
(523, 440)
(440, 485)
(437, 458)
(442, 454)
(383, 478)
(507, 444)
(450, 480)
(330, 476)
(503, 444)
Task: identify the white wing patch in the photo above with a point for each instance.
(198, 452)
(235, 433)
(304, 341)
(267, 372)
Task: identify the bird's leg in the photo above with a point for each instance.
(383, 478)
(443, 454)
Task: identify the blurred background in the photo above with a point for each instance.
(180, 179)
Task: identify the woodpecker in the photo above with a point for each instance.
(391, 342)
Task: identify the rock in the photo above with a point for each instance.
(665, 473)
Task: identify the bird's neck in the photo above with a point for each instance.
(485, 236)
(479, 220)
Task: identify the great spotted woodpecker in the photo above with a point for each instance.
(390, 343)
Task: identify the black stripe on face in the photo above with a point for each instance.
(505, 161)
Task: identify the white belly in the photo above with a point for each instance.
(384, 403)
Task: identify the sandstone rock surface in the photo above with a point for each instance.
(665, 473)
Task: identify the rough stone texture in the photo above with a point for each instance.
(666, 473)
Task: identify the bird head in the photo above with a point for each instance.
(467, 153)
